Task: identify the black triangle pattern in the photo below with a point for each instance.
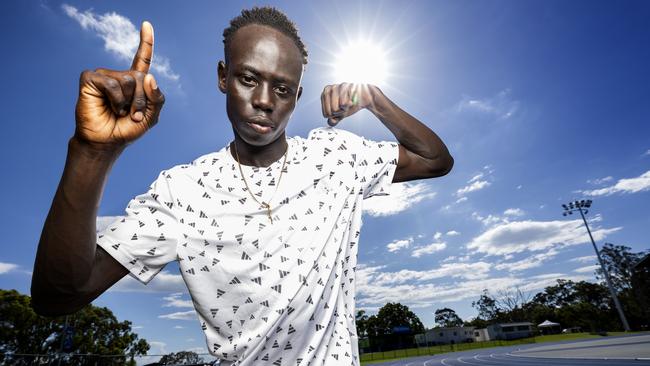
(229, 242)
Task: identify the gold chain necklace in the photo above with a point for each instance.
(265, 205)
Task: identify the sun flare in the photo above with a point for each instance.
(361, 62)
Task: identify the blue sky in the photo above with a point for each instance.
(539, 102)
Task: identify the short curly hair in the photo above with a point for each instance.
(268, 16)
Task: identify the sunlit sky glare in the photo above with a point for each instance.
(361, 62)
(540, 102)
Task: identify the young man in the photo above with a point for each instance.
(265, 230)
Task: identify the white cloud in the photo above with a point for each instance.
(376, 288)
(514, 212)
(545, 276)
(476, 178)
(584, 259)
(519, 186)
(121, 38)
(454, 258)
(179, 327)
(399, 244)
(475, 183)
(428, 249)
(500, 106)
(174, 300)
(474, 186)
(468, 271)
(518, 236)
(7, 267)
(437, 235)
(587, 269)
(626, 185)
(163, 282)
(181, 315)
(402, 196)
(647, 153)
(452, 233)
(490, 219)
(600, 180)
(533, 261)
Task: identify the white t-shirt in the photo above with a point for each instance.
(280, 293)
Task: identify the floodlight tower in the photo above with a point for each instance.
(582, 207)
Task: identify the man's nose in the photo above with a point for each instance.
(263, 98)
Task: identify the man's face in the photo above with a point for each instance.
(261, 83)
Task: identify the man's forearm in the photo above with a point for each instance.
(409, 132)
(67, 248)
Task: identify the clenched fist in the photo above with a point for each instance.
(343, 100)
(114, 108)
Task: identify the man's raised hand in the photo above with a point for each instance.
(342, 100)
(114, 108)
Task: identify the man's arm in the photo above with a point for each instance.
(70, 269)
(422, 154)
(114, 108)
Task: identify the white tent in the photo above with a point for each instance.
(547, 324)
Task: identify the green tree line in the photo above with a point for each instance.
(92, 330)
(582, 304)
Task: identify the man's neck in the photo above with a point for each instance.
(260, 156)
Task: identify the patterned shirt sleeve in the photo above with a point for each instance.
(376, 161)
(145, 240)
(376, 167)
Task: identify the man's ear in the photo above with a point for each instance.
(222, 71)
(299, 93)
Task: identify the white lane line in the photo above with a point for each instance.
(460, 359)
(484, 361)
(427, 361)
(443, 362)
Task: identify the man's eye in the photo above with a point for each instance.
(248, 80)
(282, 90)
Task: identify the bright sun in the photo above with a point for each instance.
(361, 62)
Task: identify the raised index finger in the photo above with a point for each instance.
(142, 58)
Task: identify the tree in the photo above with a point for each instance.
(619, 262)
(181, 358)
(511, 304)
(380, 327)
(486, 306)
(578, 304)
(394, 315)
(476, 323)
(92, 330)
(632, 286)
(447, 317)
(361, 320)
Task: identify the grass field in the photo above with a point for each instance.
(368, 358)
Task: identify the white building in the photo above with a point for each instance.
(507, 331)
(481, 335)
(451, 335)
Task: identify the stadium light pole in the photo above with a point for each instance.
(582, 207)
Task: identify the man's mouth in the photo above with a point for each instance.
(260, 125)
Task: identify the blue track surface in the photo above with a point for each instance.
(503, 356)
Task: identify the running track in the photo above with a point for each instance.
(504, 356)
